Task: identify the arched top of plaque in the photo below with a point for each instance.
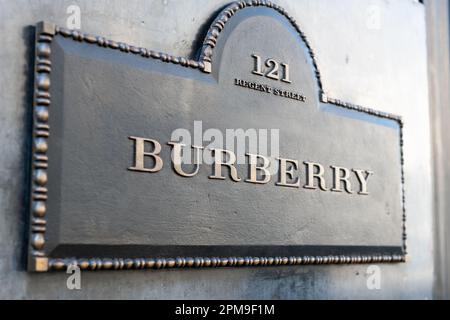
(248, 33)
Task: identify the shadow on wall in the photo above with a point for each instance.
(28, 36)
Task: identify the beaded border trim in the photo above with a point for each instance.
(214, 262)
(41, 103)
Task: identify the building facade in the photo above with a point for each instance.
(389, 56)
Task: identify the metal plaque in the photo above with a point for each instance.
(115, 127)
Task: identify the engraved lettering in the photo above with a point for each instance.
(140, 154)
(273, 71)
(254, 168)
(363, 180)
(269, 89)
(258, 167)
(176, 159)
(219, 155)
(286, 75)
(341, 176)
(288, 173)
(311, 175)
(258, 68)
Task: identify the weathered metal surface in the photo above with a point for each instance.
(333, 199)
(382, 66)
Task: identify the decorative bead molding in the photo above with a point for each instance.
(38, 261)
(214, 262)
(41, 103)
(103, 42)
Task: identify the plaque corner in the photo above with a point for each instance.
(45, 27)
(38, 264)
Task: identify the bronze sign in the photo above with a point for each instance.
(238, 158)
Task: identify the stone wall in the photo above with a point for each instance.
(371, 53)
